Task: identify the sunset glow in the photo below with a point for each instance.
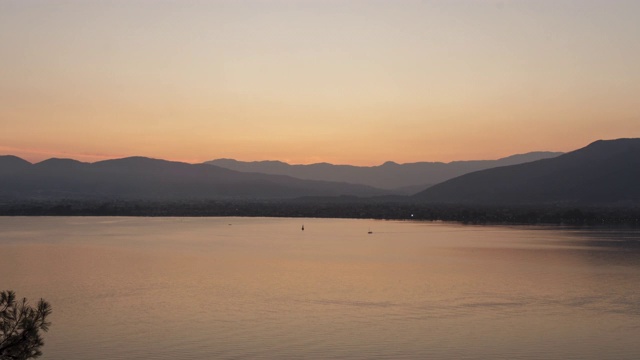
(358, 82)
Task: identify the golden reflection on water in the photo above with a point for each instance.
(203, 288)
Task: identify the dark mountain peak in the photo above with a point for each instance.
(59, 163)
(390, 164)
(274, 162)
(610, 147)
(223, 162)
(604, 172)
(11, 160)
(10, 164)
(321, 165)
(134, 160)
(624, 142)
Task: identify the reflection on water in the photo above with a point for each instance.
(232, 288)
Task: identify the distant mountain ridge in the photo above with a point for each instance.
(408, 178)
(606, 172)
(139, 178)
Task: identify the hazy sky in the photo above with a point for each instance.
(305, 81)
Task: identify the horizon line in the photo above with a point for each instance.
(191, 162)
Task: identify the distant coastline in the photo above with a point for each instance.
(352, 208)
(594, 185)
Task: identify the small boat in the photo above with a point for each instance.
(369, 232)
(303, 227)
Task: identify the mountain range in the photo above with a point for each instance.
(406, 179)
(606, 172)
(152, 179)
(602, 173)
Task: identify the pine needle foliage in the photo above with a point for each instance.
(20, 326)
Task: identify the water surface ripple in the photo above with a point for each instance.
(260, 288)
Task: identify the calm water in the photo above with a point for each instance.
(241, 288)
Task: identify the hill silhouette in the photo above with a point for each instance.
(153, 179)
(606, 172)
(10, 164)
(404, 179)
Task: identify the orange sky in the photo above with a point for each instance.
(358, 82)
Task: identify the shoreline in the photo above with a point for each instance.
(573, 215)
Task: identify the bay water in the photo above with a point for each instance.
(263, 288)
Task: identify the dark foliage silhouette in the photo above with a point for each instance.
(20, 326)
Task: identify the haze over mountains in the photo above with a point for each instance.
(404, 179)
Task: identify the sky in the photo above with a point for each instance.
(339, 81)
